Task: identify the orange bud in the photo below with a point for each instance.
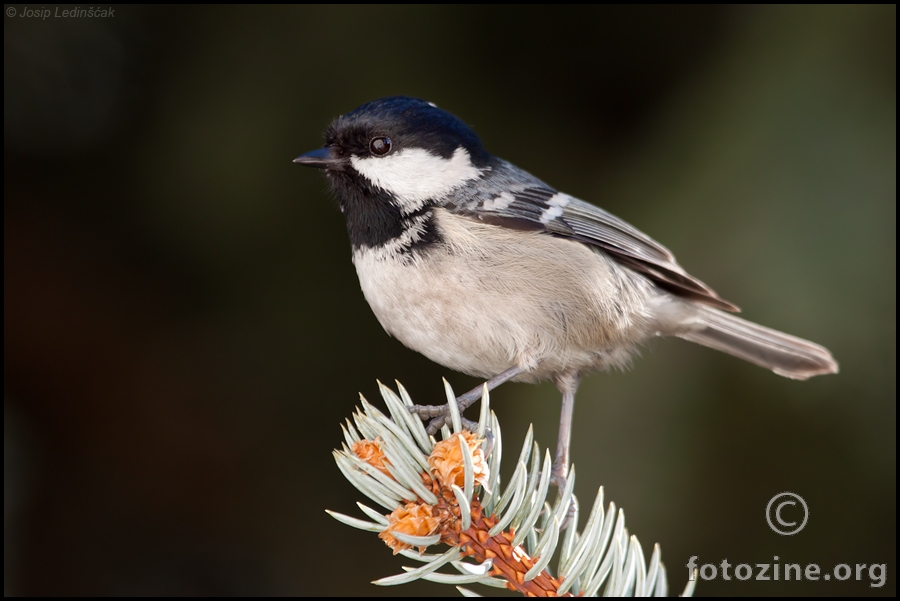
(415, 519)
(370, 452)
(446, 460)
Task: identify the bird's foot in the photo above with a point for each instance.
(439, 416)
(559, 479)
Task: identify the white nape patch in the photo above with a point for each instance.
(499, 203)
(414, 175)
(432, 104)
(555, 208)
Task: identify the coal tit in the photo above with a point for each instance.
(487, 270)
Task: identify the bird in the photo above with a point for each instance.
(487, 270)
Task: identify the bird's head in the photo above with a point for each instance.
(400, 151)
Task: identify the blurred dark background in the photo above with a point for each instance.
(184, 330)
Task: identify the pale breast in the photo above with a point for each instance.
(487, 298)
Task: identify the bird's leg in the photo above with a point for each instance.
(441, 413)
(567, 385)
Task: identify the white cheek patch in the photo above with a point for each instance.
(414, 175)
(555, 207)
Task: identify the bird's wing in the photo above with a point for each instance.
(535, 206)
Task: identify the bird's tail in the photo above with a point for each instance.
(784, 354)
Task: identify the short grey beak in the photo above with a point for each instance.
(322, 158)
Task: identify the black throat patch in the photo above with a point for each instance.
(374, 221)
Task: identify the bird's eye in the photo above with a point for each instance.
(380, 145)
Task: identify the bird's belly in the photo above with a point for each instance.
(440, 317)
(480, 304)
